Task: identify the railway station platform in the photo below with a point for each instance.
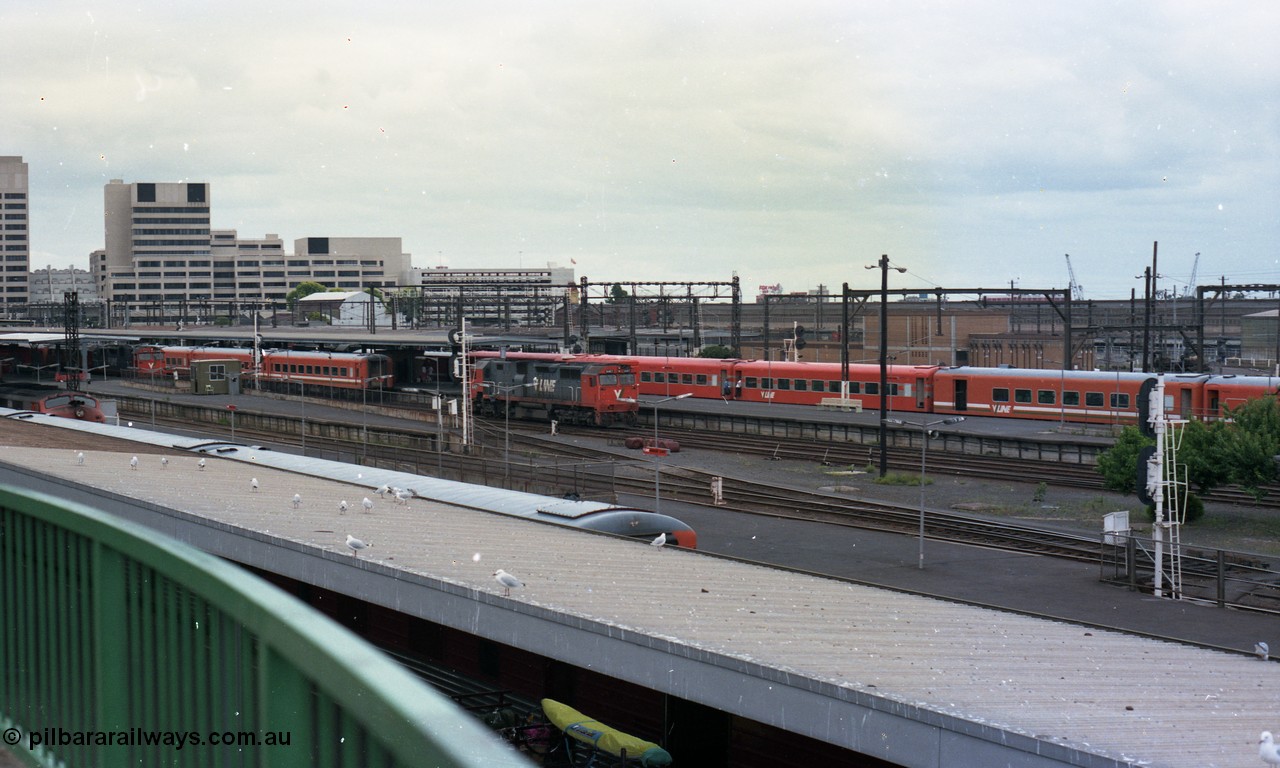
(906, 679)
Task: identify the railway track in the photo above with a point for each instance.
(555, 467)
(1003, 468)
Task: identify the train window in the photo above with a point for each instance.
(855, 388)
(752, 383)
(701, 379)
(784, 383)
(686, 378)
(832, 386)
(628, 379)
(1021, 395)
(872, 388)
(659, 377)
(802, 385)
(646, 377)
(766, 383)
(1119, 400)
(608, 379)
(1000, 395)
(293, 367)
(1046, 396)
(1093, 399)
(1071, 398)
(817, 385)
(311, 369)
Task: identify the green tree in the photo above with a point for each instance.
(718, 351)
(1119, 463)
(617, 293)
(305, 288)
(1199, 452)
(1248, 443)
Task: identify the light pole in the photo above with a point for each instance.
(506, 411)
(924, 451)
(883, 266)
(658, 451)
(302, 398)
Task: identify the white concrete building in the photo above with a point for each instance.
(48, 285)
(15, 237)
(162, 249)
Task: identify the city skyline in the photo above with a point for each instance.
(974, 144)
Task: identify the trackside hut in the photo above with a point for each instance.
(341, 308)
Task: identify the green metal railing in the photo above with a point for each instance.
(119, 646)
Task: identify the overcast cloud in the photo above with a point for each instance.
(793, 143)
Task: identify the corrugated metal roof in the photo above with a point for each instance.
(1102, 693)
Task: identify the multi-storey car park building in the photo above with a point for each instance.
(15, 240)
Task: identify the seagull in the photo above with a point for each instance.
(253, 484)
(660, 541)
(164, 462)
(1267, 749)
(297, 500)
(403, 496)
(382, 489)
(355, 544)
(367, 504)
(507, 581)
(342, 507)
(200, 464)
(80, 457)
(1263, 652)
(133, 463)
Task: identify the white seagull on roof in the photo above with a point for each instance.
(367, 504)
(200, 464)
(297, 500)
(382, 489)
(342, 507)
(403, 496)
(133, 463)
(253, 483)
(1262, 650)
(507, 581)
(80, 457)
(1267, 749)
(660, 541)
(164, 462)
(356, 545)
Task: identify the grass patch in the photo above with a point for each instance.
(901, 478)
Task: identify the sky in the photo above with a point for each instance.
(973, 142)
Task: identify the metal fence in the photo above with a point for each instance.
(121, 647)
(1226, 578)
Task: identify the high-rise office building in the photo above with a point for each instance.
(157, 235)
(160, 247)
(15, 238)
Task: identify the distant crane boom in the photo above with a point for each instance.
(1195, 269)
(1077, 290)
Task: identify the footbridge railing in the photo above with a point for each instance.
(121, 647)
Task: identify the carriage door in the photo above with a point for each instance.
(1184, 403)
(962, 395)
(920, 394)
